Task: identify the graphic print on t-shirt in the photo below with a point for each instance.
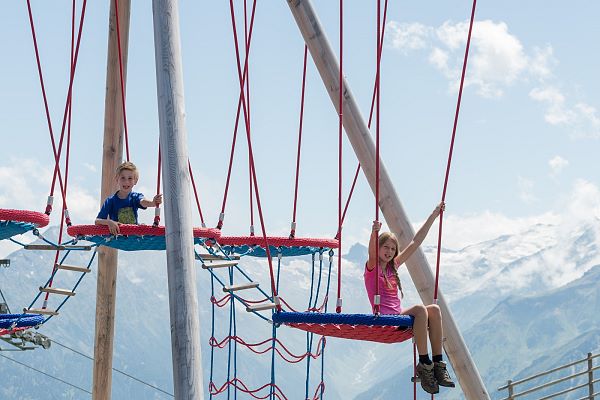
(126, 215)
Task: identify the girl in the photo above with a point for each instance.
(432, 374)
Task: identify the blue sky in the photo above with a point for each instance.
(527, 141)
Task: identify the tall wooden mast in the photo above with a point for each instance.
(362, 143)
(183, 302)
(112, 155)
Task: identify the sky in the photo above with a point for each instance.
(526, 144)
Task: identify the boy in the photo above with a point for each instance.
(121, 207)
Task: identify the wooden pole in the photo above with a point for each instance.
(112, 155)
(183, 304)
(362, 142)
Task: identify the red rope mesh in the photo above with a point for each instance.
(136, 230)
(238, 384)
(276, 241)
(259, 348)
(372, 333)
(37, 218)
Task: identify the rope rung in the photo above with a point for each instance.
(225, 264)
(242, 286)
(261, 307)
(72, 268)
(64, 292)
(43, 311)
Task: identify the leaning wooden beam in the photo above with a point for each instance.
(362, 142)
(112, 155)
(183, 302)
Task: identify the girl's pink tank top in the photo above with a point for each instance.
(390, 301)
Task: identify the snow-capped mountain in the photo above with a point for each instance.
(495, 289)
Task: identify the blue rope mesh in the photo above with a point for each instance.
(133, 242)
(346, 319)
(21, 320)
(11, 228)
(258, 251)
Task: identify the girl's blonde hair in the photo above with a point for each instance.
(384, 237)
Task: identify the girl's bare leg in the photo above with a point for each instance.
(419, 326)
(436, 332)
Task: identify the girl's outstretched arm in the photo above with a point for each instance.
(373, 243)
(419, 236)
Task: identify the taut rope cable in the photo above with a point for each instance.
(378, 91)
(241, 102)
(46, 374)
(122, 80)
(462, 81)
(114, 369)
(338, 307)
(370, 115)
(300, 124)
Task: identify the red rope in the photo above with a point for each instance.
(241, 102)
(238, 384)
(250, 152)
(300, 124)
(56, 153)
(338, 307)
(66, 117)
(157, 208)
(378, 91)
(375, 84)
(258, 348)
(122, 80)
(462, 81)
(247, 94)
(196, 194)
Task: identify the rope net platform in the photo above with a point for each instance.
(135, 237)
(17, 222)
(255, 245)
(369, 327)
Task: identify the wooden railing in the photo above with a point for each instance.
(587, 370)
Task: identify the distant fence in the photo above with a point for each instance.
(576, 377)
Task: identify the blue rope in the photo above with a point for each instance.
(212, 330)
(404, 321)
(9, 229)
(81, 276)
(11, 321)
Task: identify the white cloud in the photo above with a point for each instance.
(526, 190)
(405, 37)
(24, 185)
(557, 164)
(497, 60)
(463, 230)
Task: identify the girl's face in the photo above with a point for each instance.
(387, 251)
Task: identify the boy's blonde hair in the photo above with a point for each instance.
(127, 166)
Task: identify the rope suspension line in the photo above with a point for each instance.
(446, 178)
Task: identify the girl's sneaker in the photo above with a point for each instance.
(441, 374)
(428, 381)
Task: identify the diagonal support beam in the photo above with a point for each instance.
(389, 202)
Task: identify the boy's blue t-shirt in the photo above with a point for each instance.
(122, 210)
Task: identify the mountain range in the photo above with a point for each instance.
(524, 302)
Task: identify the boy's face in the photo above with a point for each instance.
(126, 180)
